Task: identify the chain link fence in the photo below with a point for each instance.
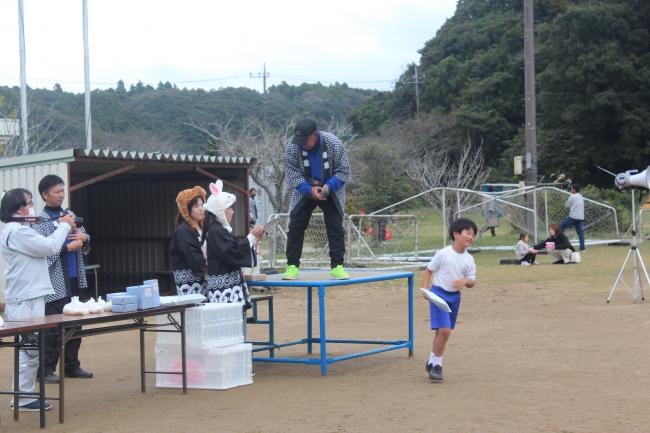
(409, 232)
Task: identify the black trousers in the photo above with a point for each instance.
(529, 257)
(298, 222)
(52, 341)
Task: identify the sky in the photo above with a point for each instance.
(213, 44)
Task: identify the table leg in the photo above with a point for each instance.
(309, 313)
(183, 352)
(16, 375)
(96, 285)
(323, 336)
(271, 328)
(61, 375)
(410, 301)
(143, 382)
(41, 375)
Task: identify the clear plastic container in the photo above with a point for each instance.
(207, 367)
(213, 325)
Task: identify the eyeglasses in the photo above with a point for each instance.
(29, 203)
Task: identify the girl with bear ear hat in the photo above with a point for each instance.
(227, 254)
(187, 254)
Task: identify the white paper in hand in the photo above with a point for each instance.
(435, 300)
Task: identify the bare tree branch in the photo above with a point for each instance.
(436, 170)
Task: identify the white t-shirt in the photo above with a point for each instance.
(449, 266)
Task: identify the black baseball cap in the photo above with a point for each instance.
(304, 128)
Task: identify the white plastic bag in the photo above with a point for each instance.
(106, 306)
(94, 307)
(575, 257)
(75, 307)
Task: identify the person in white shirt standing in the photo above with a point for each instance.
(576, 205)
(27, 278)
(453, 269)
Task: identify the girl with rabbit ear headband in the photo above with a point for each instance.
(218, 202)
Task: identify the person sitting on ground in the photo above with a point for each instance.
(25, 253)
(525, 254)
(558, 246)
(187, 255)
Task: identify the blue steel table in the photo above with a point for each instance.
(321, 280)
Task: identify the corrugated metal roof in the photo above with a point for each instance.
(158, 156)
(71, 154)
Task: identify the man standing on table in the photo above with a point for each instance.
(68, 276)
(317, 168)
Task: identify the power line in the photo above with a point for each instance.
(282, 77)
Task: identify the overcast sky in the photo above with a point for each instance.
(212, 44)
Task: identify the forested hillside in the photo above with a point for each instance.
(147, 118)
(593, 87)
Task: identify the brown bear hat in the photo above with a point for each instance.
(184, 198)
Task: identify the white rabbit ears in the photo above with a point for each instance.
(217, 187)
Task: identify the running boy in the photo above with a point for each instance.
(454, 269)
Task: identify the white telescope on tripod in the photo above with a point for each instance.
(632, 178)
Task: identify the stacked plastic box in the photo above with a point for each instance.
(217, 357)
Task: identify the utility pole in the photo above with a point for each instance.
(417, 82)
(23, 77)
(529, 89)
(264, 75)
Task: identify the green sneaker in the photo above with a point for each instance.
(338, 273)
(291, 273)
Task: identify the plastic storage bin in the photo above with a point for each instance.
(148, 296)
(213, 325)
(207, 368)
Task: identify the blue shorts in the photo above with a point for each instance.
(440, 318)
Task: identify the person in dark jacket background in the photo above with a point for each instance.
(558, 246)
(187, 255)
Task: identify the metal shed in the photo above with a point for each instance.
(127, 201)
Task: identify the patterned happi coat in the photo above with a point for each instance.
(188, 263)
(335, 163)
(57, 263)
(227, 254)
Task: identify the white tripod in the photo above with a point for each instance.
(637, 283)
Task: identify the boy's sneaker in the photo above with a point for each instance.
(34, 406)
(291, 273)
(338, 273)
(525, 264)
(435, 373)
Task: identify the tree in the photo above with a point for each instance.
(253, 140)
(435, 170)
(380, 175)
(43, 130)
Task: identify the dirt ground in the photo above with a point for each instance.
(535, 350)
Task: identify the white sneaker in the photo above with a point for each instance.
(525, 264)
(435, 300)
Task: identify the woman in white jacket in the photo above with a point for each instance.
(27, 277)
